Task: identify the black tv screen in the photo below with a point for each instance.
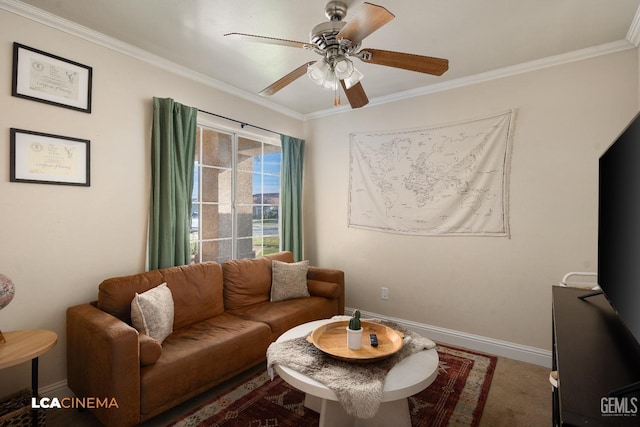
(619, 226)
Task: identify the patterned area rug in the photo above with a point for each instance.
(456, 398)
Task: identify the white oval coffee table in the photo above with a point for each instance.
(412, 375)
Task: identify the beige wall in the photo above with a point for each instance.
(493, 287)
(57, 242)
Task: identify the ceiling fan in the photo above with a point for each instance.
(337, 41)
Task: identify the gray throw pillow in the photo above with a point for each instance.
(289, 280)
(152, 312)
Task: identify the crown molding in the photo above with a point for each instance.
(500, 73)
(633, 35)
(631, 41)
(53, 21)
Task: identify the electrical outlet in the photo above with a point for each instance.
(384, 293)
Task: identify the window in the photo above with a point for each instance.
(236, 195)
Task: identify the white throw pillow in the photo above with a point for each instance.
(152, 312)
(289, 280)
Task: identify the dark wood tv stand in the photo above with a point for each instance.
(594, 354)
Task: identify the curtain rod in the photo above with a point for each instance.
(242, 124)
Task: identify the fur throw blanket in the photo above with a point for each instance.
(358, 386)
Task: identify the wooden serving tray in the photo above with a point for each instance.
(331, 339)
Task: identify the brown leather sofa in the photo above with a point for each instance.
(223, 323)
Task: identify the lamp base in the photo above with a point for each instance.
(2, 340)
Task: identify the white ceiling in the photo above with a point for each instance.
(477, 37)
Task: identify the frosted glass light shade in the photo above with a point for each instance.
(317, 71)
(343, 67)
(327, 76)
(354, 78)
(330, 81)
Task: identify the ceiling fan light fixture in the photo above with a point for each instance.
(338, 42)
(328, 76)
(317, 71)
(323, 74)
(353, 79)
(330, 81)
(343, 67)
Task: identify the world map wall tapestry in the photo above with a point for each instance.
(439, 180)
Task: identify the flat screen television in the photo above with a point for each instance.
(619, 226)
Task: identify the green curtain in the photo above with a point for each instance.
(173, 140)
(291, 194)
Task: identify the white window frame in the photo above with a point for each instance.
(223, 126)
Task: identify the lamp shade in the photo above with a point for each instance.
(317, 71)
(354, 78)
(329, 72)
(343, 67)
(330, 81)
(322, 74)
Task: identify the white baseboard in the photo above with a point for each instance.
(507, 349)
(58, 389)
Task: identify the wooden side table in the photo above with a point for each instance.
(24, 345)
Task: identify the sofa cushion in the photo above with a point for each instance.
(152, 312)
(199, 356)
(284, 315)
(196, 290)
(284, 256)
(289, 280)
(115, 294)
(246, 282)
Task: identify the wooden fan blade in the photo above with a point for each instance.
(406, 61)
(286, 80)
(355, 94)
(367, 19)
(269, 40)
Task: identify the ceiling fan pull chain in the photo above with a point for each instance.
(336, 95)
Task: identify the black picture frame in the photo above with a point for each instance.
(43, 77)
(43, 158)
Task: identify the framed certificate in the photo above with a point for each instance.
(48, 159)
(47, 78)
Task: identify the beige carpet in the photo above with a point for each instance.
(520, 395)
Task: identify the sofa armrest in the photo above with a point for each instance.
(103, 362)
(329, 275)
